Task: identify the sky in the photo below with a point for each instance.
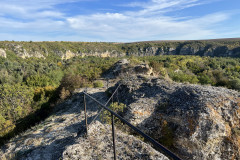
(118, 20)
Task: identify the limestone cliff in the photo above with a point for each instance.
(66, 50)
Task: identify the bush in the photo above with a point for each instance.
(183, 77)
(235, 84)
(71, 82)
(116, 107)
(98, 84)
(158, 68)
(204, 79)
(15, 103)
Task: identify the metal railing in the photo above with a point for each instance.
(104, 106)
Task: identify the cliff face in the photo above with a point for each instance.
(218, 51)
(66, 50)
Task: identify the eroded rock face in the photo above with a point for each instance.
(198, 122)
(23, 53)
(3, 53)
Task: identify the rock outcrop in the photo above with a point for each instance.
(20, 51)
(3, 53)
(124, 68)
(198, 122)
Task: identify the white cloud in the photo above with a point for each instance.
(154, 7)
(149, 23)
(41, 20)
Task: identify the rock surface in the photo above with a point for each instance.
(197, 122)
(98, 145)
(124, 68)
(3, 53)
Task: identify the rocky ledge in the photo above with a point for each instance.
(197, 122)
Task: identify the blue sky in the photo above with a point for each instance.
(118, 20)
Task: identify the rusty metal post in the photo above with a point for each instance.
(113, 135)
(85, 111)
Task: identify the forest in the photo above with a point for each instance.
(31, 87)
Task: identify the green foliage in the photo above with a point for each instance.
(235, 84)
(204, 78)
(183, 77)
(98, 84)
(38, 80)
(195, 69)
(70, 82)
(29, 88)
(158, 68)
(167, 138)
(15, 103)
(116, 107)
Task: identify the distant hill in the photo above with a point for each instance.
(65, 50)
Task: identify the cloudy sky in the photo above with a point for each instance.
(118, 20)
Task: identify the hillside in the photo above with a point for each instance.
(62, 136)
(66, 50)
(196, 122)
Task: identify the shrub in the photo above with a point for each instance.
(204, 79)
(183, 77)
(116, 107)
(98, 84)
(158, 68)
(64, 93)
(167, 138)
(70, 82)
(235, 84)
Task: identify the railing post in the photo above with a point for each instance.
(113, 135)
(85, 111)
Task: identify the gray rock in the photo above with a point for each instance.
(98, 145)
(199, 122)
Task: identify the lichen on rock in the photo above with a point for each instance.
(198, 122)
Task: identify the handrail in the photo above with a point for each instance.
(154, 142)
